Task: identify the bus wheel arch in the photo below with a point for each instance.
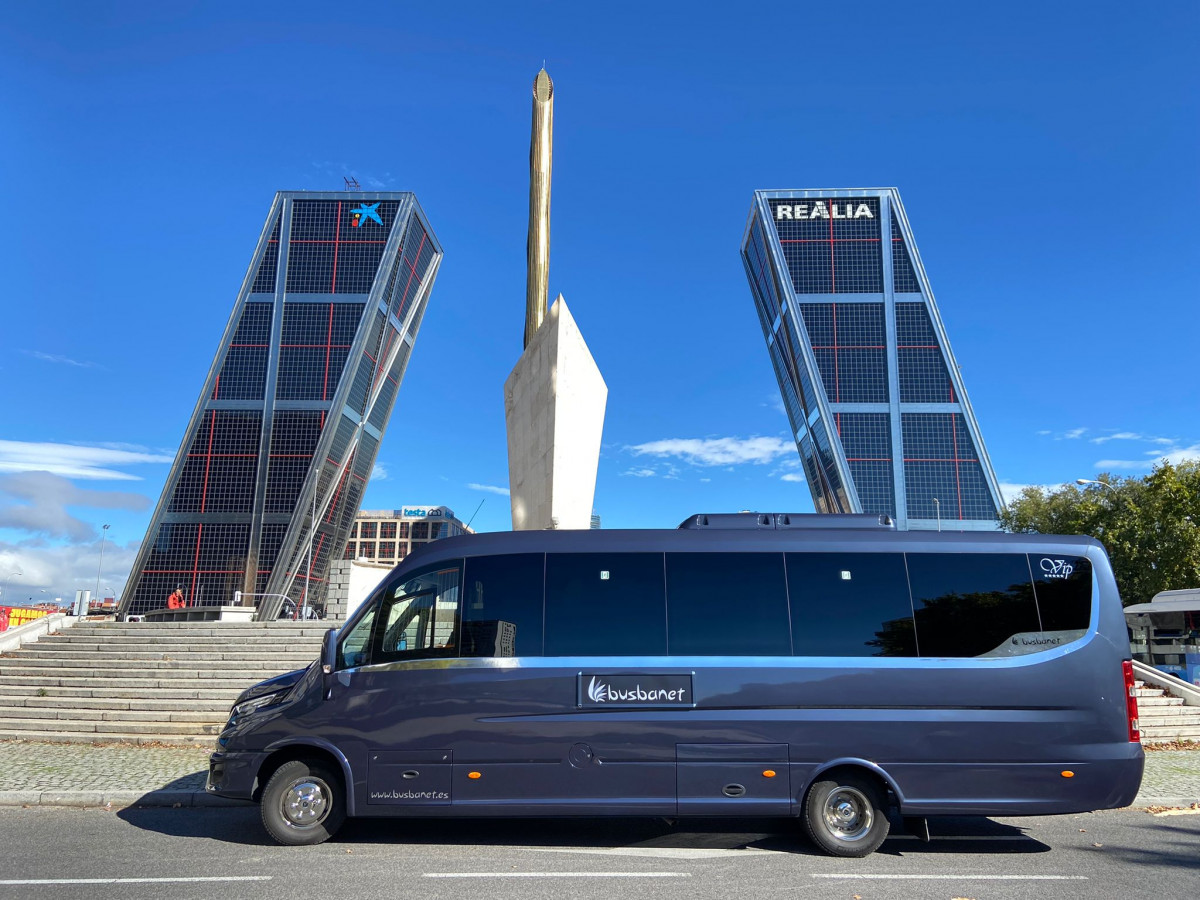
(845, 808)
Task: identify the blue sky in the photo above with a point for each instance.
(1046, 154)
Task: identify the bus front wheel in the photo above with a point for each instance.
(845, 814)
(303, 803)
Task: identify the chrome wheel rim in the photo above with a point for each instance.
(848, 814)
(306, 802)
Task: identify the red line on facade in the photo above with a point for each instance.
(191, 597)
(868, 459)
(212, 427)
(957, 479)
(837, 385)
(412, 271)
(337, 236)
(217, 388)
(940, 459)
(823, 240)
(329, 341)
(832, 272)
(849, 346)
(347, 241)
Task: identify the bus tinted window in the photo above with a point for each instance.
(850, 604)
(502, 605)
(727, 604)
(1064, 591)
(605, 604)
(971, 604)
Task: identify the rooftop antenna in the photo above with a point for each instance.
(474, 514)
(351, 183)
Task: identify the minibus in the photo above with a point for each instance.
(826, 668)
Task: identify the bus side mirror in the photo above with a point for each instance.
(328, 652)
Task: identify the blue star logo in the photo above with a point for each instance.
(366, 211)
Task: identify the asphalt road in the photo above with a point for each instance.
(198, 853)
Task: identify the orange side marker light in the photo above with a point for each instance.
(769, 773)
(1068, 774)
(474, 774)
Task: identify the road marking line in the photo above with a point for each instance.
(558, 875)
(30, 881)
(956, 877)
(662, 852)
(965, 837)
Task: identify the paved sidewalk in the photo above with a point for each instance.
(62, 774)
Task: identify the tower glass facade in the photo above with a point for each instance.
(874, 398)
(283, 438)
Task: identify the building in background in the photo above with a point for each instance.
(271, 471)
(389, 535)
(875, 399)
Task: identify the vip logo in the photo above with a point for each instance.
(597, 691)
(365, 212)
(1056, 568)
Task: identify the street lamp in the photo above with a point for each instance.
(6, 580)
(103, 535)
(1101, 483)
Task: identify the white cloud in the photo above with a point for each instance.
(640, 473)
(61, 570)
(796, 477)
(36, 503)
(75, 460)
(61, 360)
(379, 473)
(1175, 455)
(1073, 434)
(489, 489)
(717, 451)
(1010, 491)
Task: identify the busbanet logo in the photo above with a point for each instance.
(819, 209)
(635, 690)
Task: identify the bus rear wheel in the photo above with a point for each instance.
(846, 815)
(303, 803)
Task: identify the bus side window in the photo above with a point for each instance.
(502, 605)
(973, 604)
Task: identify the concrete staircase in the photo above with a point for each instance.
(142, 682)
(1164, 717)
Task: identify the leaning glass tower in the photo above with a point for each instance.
(283, 438)
(875, 399)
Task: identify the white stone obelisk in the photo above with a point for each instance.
(554, 398)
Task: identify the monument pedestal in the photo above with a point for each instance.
(554, 402)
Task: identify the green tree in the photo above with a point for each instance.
(1150, 526)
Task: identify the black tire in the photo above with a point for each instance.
(303, 803)
(846, 815)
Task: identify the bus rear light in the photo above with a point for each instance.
(1135, 734)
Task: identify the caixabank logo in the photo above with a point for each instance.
(633, 690)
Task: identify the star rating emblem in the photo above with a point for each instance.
(365, 212)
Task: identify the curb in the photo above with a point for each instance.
(156, 798)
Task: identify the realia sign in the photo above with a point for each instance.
(821, 209)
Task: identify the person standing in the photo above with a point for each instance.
(175, 600)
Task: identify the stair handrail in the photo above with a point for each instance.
(1175, 686)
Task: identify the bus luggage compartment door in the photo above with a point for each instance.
(733, 779)
(409, 777)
